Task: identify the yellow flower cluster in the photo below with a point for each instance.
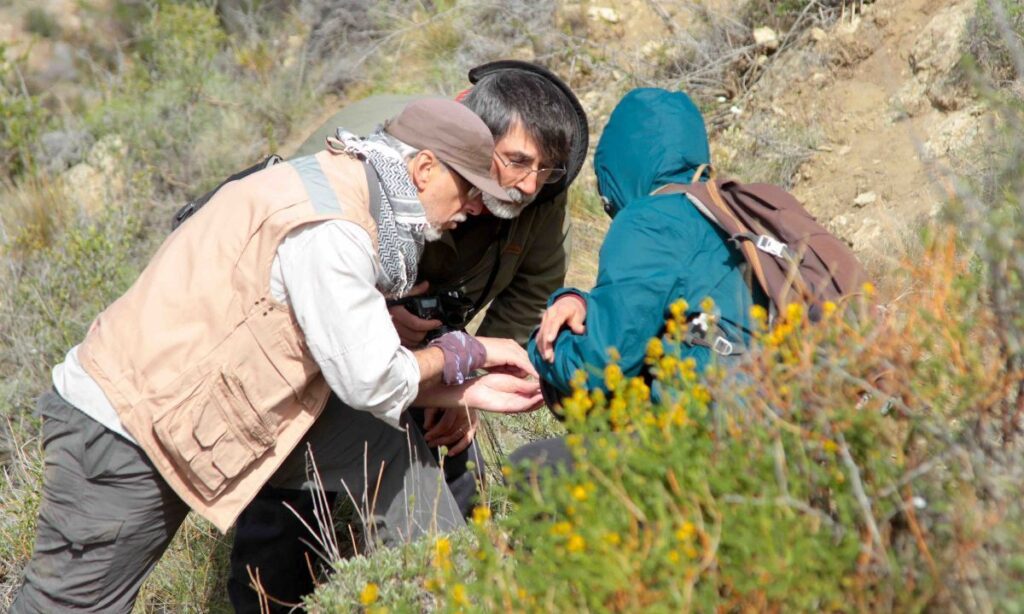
(655, 350)
(638, 390)
(582, 492)
(481, 514)
(459, 595)
(678, 309)
(686, 531)
(562, 528)
(612, 539)
(612, 376)
(783, 330)
(369, 594)
(760, 317)
(579, 379)
(686, 535)
(443, 554)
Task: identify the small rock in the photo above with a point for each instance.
(61, 149)
(604, 13)
(848, 28)
(652, 49)
(819, 78)
(870, 231)
(864, 199)
(100, 179)
(767, 38)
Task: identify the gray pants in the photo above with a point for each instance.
(107, 516)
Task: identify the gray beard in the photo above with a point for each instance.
(507, 209)
(431, 233)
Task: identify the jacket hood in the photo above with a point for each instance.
(653, 137)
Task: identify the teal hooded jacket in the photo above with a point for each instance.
(658, 248)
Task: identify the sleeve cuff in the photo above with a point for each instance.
(564, 291)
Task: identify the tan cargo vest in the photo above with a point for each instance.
(208, 373)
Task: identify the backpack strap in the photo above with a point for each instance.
(748, 249)
(697, 174)
(196, 204)
(748, 241)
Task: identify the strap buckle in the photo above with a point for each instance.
(771, 246)
(700, 323)
(723, 346)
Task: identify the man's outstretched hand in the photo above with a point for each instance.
(502, 394)
(506, 356)
(494, 392)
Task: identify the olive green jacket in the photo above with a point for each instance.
(527, 256)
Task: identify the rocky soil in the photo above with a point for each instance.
(888, 122)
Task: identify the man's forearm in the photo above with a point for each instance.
(430, 360)
(436, 394)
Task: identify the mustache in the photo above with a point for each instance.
(516, 196)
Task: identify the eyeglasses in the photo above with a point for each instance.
(522, 171)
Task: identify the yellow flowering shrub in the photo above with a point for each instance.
(744, 488)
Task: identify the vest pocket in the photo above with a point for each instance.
(215, 435)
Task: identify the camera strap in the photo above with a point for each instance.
(503, 227)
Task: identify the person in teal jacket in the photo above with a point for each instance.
(658, 249)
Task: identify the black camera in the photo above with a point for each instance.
(452, 307)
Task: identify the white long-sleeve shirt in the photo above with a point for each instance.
(327, 274)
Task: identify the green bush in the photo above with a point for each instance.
(858, 463)
(21, 115)
(987, 41)
(48, 296)
(191, 106)
(39, 21)
(851, 464)
(197, 106)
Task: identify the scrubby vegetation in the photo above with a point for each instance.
(867, 463)
(187, 105)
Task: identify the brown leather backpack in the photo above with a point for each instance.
(792, 257)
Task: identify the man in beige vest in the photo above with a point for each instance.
(509, 258)
(190, 390)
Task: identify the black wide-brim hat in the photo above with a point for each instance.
(581, 140)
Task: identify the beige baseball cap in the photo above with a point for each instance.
(456, 135)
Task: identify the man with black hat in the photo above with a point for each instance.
(192, 389)
(509, 258)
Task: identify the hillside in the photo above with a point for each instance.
(888, 119)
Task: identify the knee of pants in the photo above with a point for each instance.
(86, 564)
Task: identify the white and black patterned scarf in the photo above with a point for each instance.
(400, 229)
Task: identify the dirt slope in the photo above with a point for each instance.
(890, 117)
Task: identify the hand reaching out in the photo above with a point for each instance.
(506, 356)
(569, 309)
(454, 427)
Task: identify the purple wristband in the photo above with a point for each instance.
(463, 354)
